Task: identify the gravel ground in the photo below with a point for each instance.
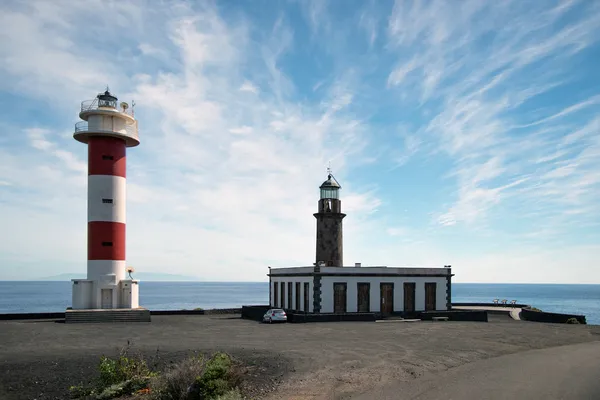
(41, 359)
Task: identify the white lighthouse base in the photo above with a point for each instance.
(96, 294)
(106, 301)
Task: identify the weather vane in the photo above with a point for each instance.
(329, 168)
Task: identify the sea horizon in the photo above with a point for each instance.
(23, 296)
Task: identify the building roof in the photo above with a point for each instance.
(330, 183)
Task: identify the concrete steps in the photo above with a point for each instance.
(107, 315)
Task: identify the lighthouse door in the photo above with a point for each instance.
(106, 298)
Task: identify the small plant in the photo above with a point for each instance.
(198, 378)
(80, 391)
(215, 381)
(573, 321)
(534, 309)
(174, 384)
(121, 369)
(117, 376)
(195, 378)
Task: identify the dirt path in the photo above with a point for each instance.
(40, 359)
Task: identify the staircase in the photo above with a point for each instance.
(107, 315)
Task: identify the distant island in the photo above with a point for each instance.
(142, 276)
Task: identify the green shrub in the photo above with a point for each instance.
(573, 321)
(117, 376)
(214, 381)
(195, 378)
(198, 379)
(534, 309)
(174, 384)
(121, 369)
(80, 391)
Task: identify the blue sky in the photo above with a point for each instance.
(463, 133)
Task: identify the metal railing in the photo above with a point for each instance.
(81, 126)
(91, 105)
(130, 130)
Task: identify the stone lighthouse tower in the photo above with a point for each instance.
(329, 225)
(108, 129)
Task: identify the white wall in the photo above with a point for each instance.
(129, 294)
(352, 289)
(293, 279)
(107, 187)
(82, 294)
(101, 122)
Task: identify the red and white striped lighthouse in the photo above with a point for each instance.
(108, 130)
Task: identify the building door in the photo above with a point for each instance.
(275, 294)
(282, 305)
(306, 297)
(339, 297)
(289, 303)
(409, 297)
(297, 296)
(106, 295)
(387, 298)
(430, 294)
(364, 294)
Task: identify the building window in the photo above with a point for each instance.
(289, 303)
(297, 295)
(275, 294)
(282, 294)
(105, 157)
(306, 297)
(107, 244)
(107, 201)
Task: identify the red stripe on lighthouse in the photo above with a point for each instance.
(106, 240)
(106, 156)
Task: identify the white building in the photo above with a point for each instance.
(330, 287)
(383, 290)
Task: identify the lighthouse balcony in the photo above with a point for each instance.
(105, 105)
(125, 131)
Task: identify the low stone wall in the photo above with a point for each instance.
(542, 316)
(254, 313)
(456, 315)
(489, 305)
(178, 312)
(59, 315)
(308, 317)
(15, 316)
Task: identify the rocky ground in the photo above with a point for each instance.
(41, 359)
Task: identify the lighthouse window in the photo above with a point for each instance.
(105, 157)
(107, 244)
(107, 201)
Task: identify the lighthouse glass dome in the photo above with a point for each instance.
(107, 100)
(330, 189)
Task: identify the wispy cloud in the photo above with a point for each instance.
(476, 116)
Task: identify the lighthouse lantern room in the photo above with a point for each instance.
(107, 129)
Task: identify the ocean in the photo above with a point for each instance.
(55, 296)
